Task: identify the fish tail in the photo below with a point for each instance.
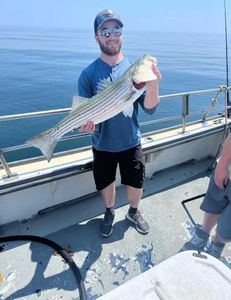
(44, 143)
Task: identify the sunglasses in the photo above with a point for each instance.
(107, 32)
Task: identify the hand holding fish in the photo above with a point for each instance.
(90, 127)
(156, 81)
(152, 95)
(157, 72)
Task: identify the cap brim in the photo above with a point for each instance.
(110, 19)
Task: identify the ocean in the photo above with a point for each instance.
(39, 69)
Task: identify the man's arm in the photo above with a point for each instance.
(221, 171)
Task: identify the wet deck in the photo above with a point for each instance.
(33, 271)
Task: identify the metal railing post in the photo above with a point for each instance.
(185, 110)
(5, 165)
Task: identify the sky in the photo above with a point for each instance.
(152, 15)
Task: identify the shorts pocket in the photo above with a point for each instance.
(215, 191)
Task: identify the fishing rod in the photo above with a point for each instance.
(227, 59)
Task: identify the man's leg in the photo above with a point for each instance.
(134, 196)
(213, 205)
(217, 239)
(216, 246)
(209, 221)
(104, 170)
(134, 215)
(132, 170)
(108, 195)
(223, 230)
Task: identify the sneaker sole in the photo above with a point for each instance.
(106, 235)
(134, 222)
(198, 249)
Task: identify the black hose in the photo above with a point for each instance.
(185, 208)
(60, 250)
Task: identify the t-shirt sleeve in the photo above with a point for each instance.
(146, 110)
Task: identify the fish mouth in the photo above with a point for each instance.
(139, 85)
(143, 71)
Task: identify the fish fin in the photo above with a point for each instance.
(77, 101)
(43, 142)
(103, 84)
(128, 112)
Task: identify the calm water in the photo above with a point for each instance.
(39, 69)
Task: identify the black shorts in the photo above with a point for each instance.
(131, 163)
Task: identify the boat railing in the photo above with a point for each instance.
(185, 96)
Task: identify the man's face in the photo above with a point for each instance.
(109, 38)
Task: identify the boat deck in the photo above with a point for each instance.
(33, 271)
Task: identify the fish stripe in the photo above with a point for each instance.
(108, 104)
(115, 98)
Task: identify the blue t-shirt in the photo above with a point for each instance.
(120, 132)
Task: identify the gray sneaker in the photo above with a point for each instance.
(106, 227)
(197, 242)
(215, 249)
(140, 223)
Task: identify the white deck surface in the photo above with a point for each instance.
(32, 271)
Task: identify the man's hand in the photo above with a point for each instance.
(221, 175)
(152, 94)
(156, 71)
(90, 127)
(221, 171)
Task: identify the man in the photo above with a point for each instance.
(117, 140)
(217, 208)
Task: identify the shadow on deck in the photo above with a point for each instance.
(33, 269)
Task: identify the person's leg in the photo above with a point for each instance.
(223, 229)
(201, 236)
(213, 205)
(134, 214)
(134, 196)
(132, 170)
(209, 221)
(216, 246)
(108, 195)
(217, 239)
(104, 171)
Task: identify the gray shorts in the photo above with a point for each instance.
(218, 202)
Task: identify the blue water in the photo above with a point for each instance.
(39, 69)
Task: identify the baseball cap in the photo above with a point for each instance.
(104, 16)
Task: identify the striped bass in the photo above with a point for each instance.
(115, 97)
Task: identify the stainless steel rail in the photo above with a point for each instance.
(185, 112)
(65, 110)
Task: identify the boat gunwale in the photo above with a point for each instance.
(59, 172)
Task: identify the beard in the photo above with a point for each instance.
(110, 49)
